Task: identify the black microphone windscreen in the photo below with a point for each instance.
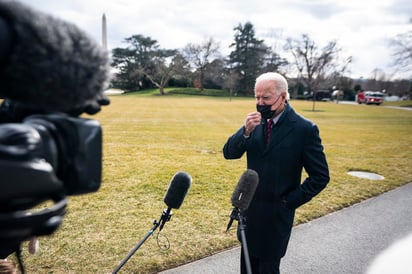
(52, 65)
(177, 190)
(245, 189)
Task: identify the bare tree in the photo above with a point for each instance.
(402, 51)
(312, 63)
(273, 60)
(201, 55)
(230, 82)
(164, 68)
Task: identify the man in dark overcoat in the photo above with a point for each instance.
(278, 155)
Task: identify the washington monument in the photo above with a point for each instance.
(104, 32)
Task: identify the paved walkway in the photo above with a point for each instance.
(344, 242)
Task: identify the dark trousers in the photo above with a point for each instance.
(259, 266)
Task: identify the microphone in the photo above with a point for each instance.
(243, 194)
(49, 64)
(176, 192)
(174, 197)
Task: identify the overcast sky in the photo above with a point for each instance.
(362, 28)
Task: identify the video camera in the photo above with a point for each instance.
(45, 157)
(51, 72)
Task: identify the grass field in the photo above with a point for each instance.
(147, 139)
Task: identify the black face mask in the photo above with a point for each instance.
(265, 110)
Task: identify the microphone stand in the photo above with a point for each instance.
(242, 227)
(166, 215)
(237, 215)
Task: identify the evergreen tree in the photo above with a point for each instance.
(247, 58)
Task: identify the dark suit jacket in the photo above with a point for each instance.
(294, 144)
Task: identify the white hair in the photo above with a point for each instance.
(280, 82)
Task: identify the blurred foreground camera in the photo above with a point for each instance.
(73, 146)
(44, 158)
(51, 72)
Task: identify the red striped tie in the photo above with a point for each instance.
(268, 130)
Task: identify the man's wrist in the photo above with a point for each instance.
(245, 133)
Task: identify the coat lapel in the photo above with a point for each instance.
(282, 128)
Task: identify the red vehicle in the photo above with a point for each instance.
(369, 97)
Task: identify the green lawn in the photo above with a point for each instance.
(147, 139)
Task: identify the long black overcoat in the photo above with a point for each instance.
(294, 144)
